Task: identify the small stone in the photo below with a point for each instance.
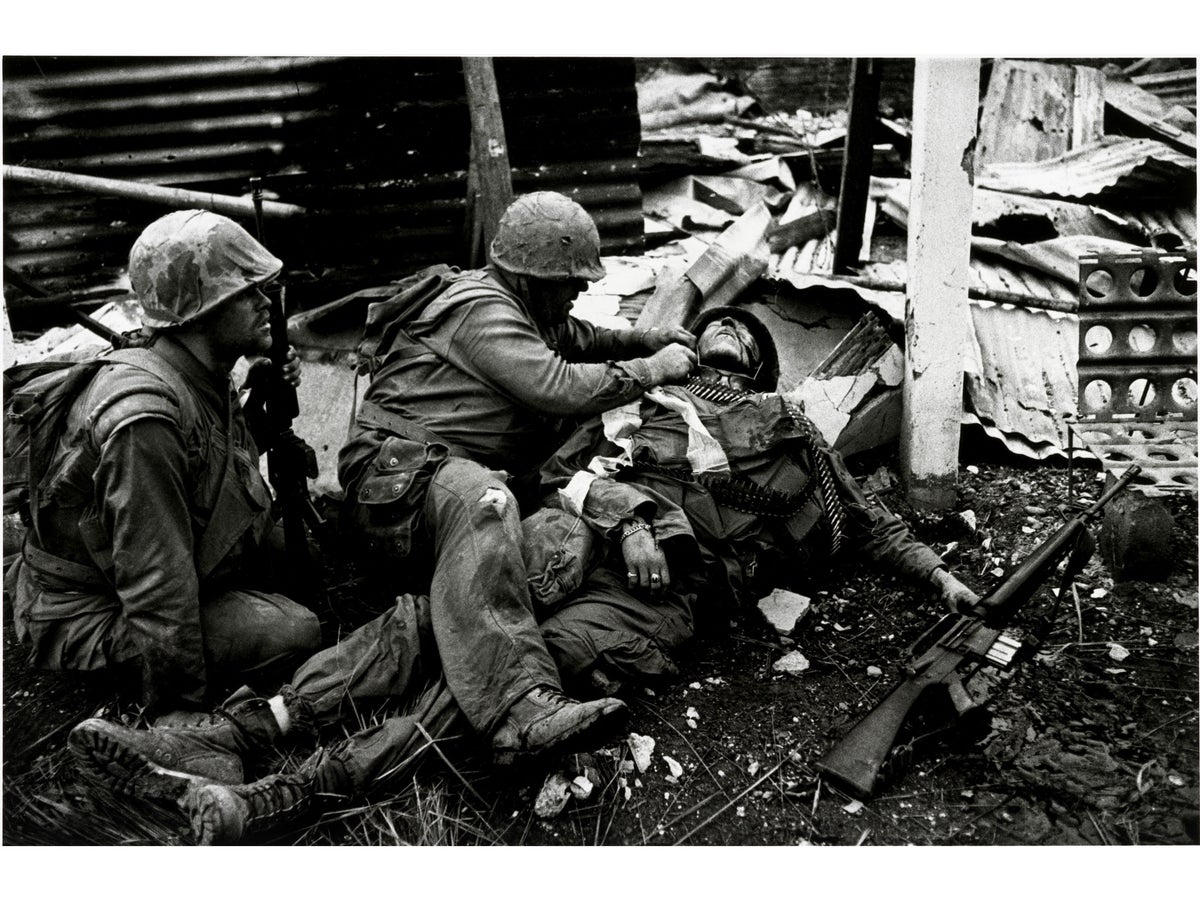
(1036, 510)
(676, 768)
(783, 610)
(581, 787)
(793, 663)
(969, 519)
(641, 746)
(553, 796)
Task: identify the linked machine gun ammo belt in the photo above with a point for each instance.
(822, 475)
(736, 491)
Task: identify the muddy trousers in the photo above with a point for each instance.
(391, 660)
(73, 623)
(476, 633)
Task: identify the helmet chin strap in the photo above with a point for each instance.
(736, 380)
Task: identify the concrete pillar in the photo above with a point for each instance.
(945, 104)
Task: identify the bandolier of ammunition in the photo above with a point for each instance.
(742, 494)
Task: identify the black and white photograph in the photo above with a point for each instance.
(586, 449)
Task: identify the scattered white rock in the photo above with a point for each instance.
(874, 671)
(753, 768)
(581, 787)
(553, 796)
(974, 470)
(676, 768)
(715, 680)
(793, 663)
(1097, 593)
(854, 807)
(641, 746)
(969, 518)
(695, 686)
(783, 610)
(692, 713)
(1117, 652)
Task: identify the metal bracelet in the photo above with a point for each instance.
(634, 529)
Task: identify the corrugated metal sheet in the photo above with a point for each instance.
(1139, 169)
(378, 146)
(991, 279)
(1035, 110)
(1178, 86)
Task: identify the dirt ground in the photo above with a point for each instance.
(1094, 741)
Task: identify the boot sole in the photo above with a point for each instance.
(588, 735)
(207, 815)
(102, 758)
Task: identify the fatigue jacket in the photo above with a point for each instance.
(472, 369)
(155, 501)
(741, 554)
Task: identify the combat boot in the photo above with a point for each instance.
(226, 813)
(545, 720)
(161, 762)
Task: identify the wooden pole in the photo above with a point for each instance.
(856, 164)
(945, 107)
(180, 198)
(490, 188)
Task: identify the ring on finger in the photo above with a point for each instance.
(656, 578)
(632, 575)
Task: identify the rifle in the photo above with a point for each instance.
(290, 461)
(118, 340)
(946, 656)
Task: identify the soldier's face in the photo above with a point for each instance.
(727, 344)
(242, 326)
(550, 301)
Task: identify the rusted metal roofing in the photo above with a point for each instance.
(378, 146)
(1038, 110)
(1178, 86)
(1140, 169)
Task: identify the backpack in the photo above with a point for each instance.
(37, 398)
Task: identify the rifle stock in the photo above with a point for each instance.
(957, 642)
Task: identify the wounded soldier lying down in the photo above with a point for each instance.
(696, 499)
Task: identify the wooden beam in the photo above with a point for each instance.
(856, 164)
(490, 188)
(937, 323)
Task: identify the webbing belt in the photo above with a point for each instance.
(372, 415)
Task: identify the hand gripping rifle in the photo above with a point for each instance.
(290, 461)
(944, 658)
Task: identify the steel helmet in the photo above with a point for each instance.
(767, 377)
(191, 261)
(547, 235)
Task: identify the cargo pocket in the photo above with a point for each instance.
(389, 498)
(559, 550)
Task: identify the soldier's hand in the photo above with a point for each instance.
(673, 362)
(957, 596)
(645, 564)
(291, 369)
(654, 339)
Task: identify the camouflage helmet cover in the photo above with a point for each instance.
(547, 235)
(191, 261)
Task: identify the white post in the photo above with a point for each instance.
(945, 105)
(9, 349)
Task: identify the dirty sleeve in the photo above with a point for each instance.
(143, 506)
(880, 533)
(498, 344)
